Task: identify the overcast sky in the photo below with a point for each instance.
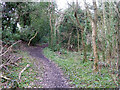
(62, 4)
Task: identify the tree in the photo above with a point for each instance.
(39, 22)
(94, 33)
(117, 9)
(12, 13)
(82, 34)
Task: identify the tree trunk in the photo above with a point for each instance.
(104, 32)
(118, 38)
(83, 43)
(51, 27)
(51, 32)
(94, 33)
(82, 35)
(69, 40)
(118, 58)
(84, 48)
(78, 36)
(94, 28)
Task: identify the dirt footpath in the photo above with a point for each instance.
(53, 76)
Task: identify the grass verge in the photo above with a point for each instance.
(81, 74)
(30, 78)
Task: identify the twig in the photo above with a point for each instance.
(23, 70)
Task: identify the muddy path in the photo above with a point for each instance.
(53, 76)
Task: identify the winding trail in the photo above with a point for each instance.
(53, 76)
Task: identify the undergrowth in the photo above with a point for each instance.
(81, 74)
(29, 78)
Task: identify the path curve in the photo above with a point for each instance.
(53, 76)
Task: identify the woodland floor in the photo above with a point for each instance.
(67, 70)
(53, 76)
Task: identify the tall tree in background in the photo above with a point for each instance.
(94, 33)
(104, 31)
(52, 19)
(82, 33)
(32, 17)
(51, 27)
(117, 8)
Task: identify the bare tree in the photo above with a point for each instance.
(82, 31)
(118, 35)
(94, 32)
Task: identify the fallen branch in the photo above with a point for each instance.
(8, 63)
(32, 38)
(10, 47)
(2, 65)
(1, 76)
(23, 70)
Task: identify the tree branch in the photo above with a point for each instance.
(10, 47)
(32, 38)
(88, 11)
(23, 70)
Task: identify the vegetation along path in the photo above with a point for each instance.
(53, 76)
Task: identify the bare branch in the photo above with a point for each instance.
(88, 11)
(10, 47)
(23, 70)
(117, 10)
(81, 27)
(1, 76)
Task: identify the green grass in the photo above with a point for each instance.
(80, 74)
(29, 77)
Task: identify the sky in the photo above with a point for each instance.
(62, 4)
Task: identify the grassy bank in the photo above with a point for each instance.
(30, 78)
(81, 74)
